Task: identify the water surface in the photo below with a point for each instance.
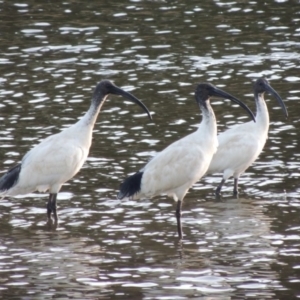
(51, 57)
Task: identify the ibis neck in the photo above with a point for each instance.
(262, 114)
(208, 119)
(90, 117)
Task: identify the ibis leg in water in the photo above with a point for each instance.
(59, 157)
(175, 169)
(240, 145)
(178, 218)
(51, 207)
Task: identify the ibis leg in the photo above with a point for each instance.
(51, 206)
(218, 189)
(235, 186)
(178, 218)
(54, 207)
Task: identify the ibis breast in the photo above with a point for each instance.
(178, 167)
(51, 163)
(238, 149)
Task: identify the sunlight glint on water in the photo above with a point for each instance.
(51, 58)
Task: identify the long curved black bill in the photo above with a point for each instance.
(220, 93)
(117, 91)
(270, 90)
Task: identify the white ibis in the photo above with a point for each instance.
(174, 170)
(240, 145)
(59, 157)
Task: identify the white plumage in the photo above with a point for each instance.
(240, 145)
(59, 157)
(54, 161)
(174, 170)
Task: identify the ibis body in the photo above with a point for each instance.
(175, 169)
(240, 145)
(59, 157)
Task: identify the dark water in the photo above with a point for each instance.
(53, 54)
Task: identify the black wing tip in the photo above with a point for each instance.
(10, 178)
(130, 186)
(121, 195)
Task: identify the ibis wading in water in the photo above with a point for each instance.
(240, 145)
(174, 170)
(59, 157)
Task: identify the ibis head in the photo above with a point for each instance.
(261, 86)
(206, 90)
(106, 87)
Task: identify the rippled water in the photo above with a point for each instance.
(53, 54)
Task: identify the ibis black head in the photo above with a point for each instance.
(106, 87)
(205, 91)
(261, 86)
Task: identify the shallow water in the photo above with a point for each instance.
(51, 57)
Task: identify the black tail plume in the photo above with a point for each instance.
(10, 178)
(131, 185)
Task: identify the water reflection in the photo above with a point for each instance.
(51, 56)
(127, 248)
